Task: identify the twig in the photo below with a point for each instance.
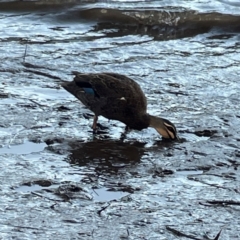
(39, 104)
(210, 184)
(39, 195)
(25, 53)
(180, 234)
(42, 74)
(128, 233)
(224, 202)
(218, 235)
(102, 209)
(95, 192)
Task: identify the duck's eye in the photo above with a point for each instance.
(171, 130)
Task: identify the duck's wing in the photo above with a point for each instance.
(111, 95)
(109, 85)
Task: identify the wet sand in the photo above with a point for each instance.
(59, 181)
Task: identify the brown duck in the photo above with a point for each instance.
(115, 96)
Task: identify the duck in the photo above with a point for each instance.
(117, 97)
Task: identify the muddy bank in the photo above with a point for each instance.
(78, 185)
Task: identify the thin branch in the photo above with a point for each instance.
(51, 199)
(102, 209)
(181, 234)
(25, 53)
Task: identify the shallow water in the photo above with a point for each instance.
(185, 55)
(25, 148)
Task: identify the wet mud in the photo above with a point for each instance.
(61, 181)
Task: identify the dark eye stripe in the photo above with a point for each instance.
(171, 129)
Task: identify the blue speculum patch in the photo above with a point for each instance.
(89, 90)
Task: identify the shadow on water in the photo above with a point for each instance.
(106, 155)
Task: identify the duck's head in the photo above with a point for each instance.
(164, 127)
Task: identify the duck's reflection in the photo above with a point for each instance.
(106, 155)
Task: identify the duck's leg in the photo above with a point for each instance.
(126, 131)
(94, 126)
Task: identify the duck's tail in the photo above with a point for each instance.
(69, 86)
